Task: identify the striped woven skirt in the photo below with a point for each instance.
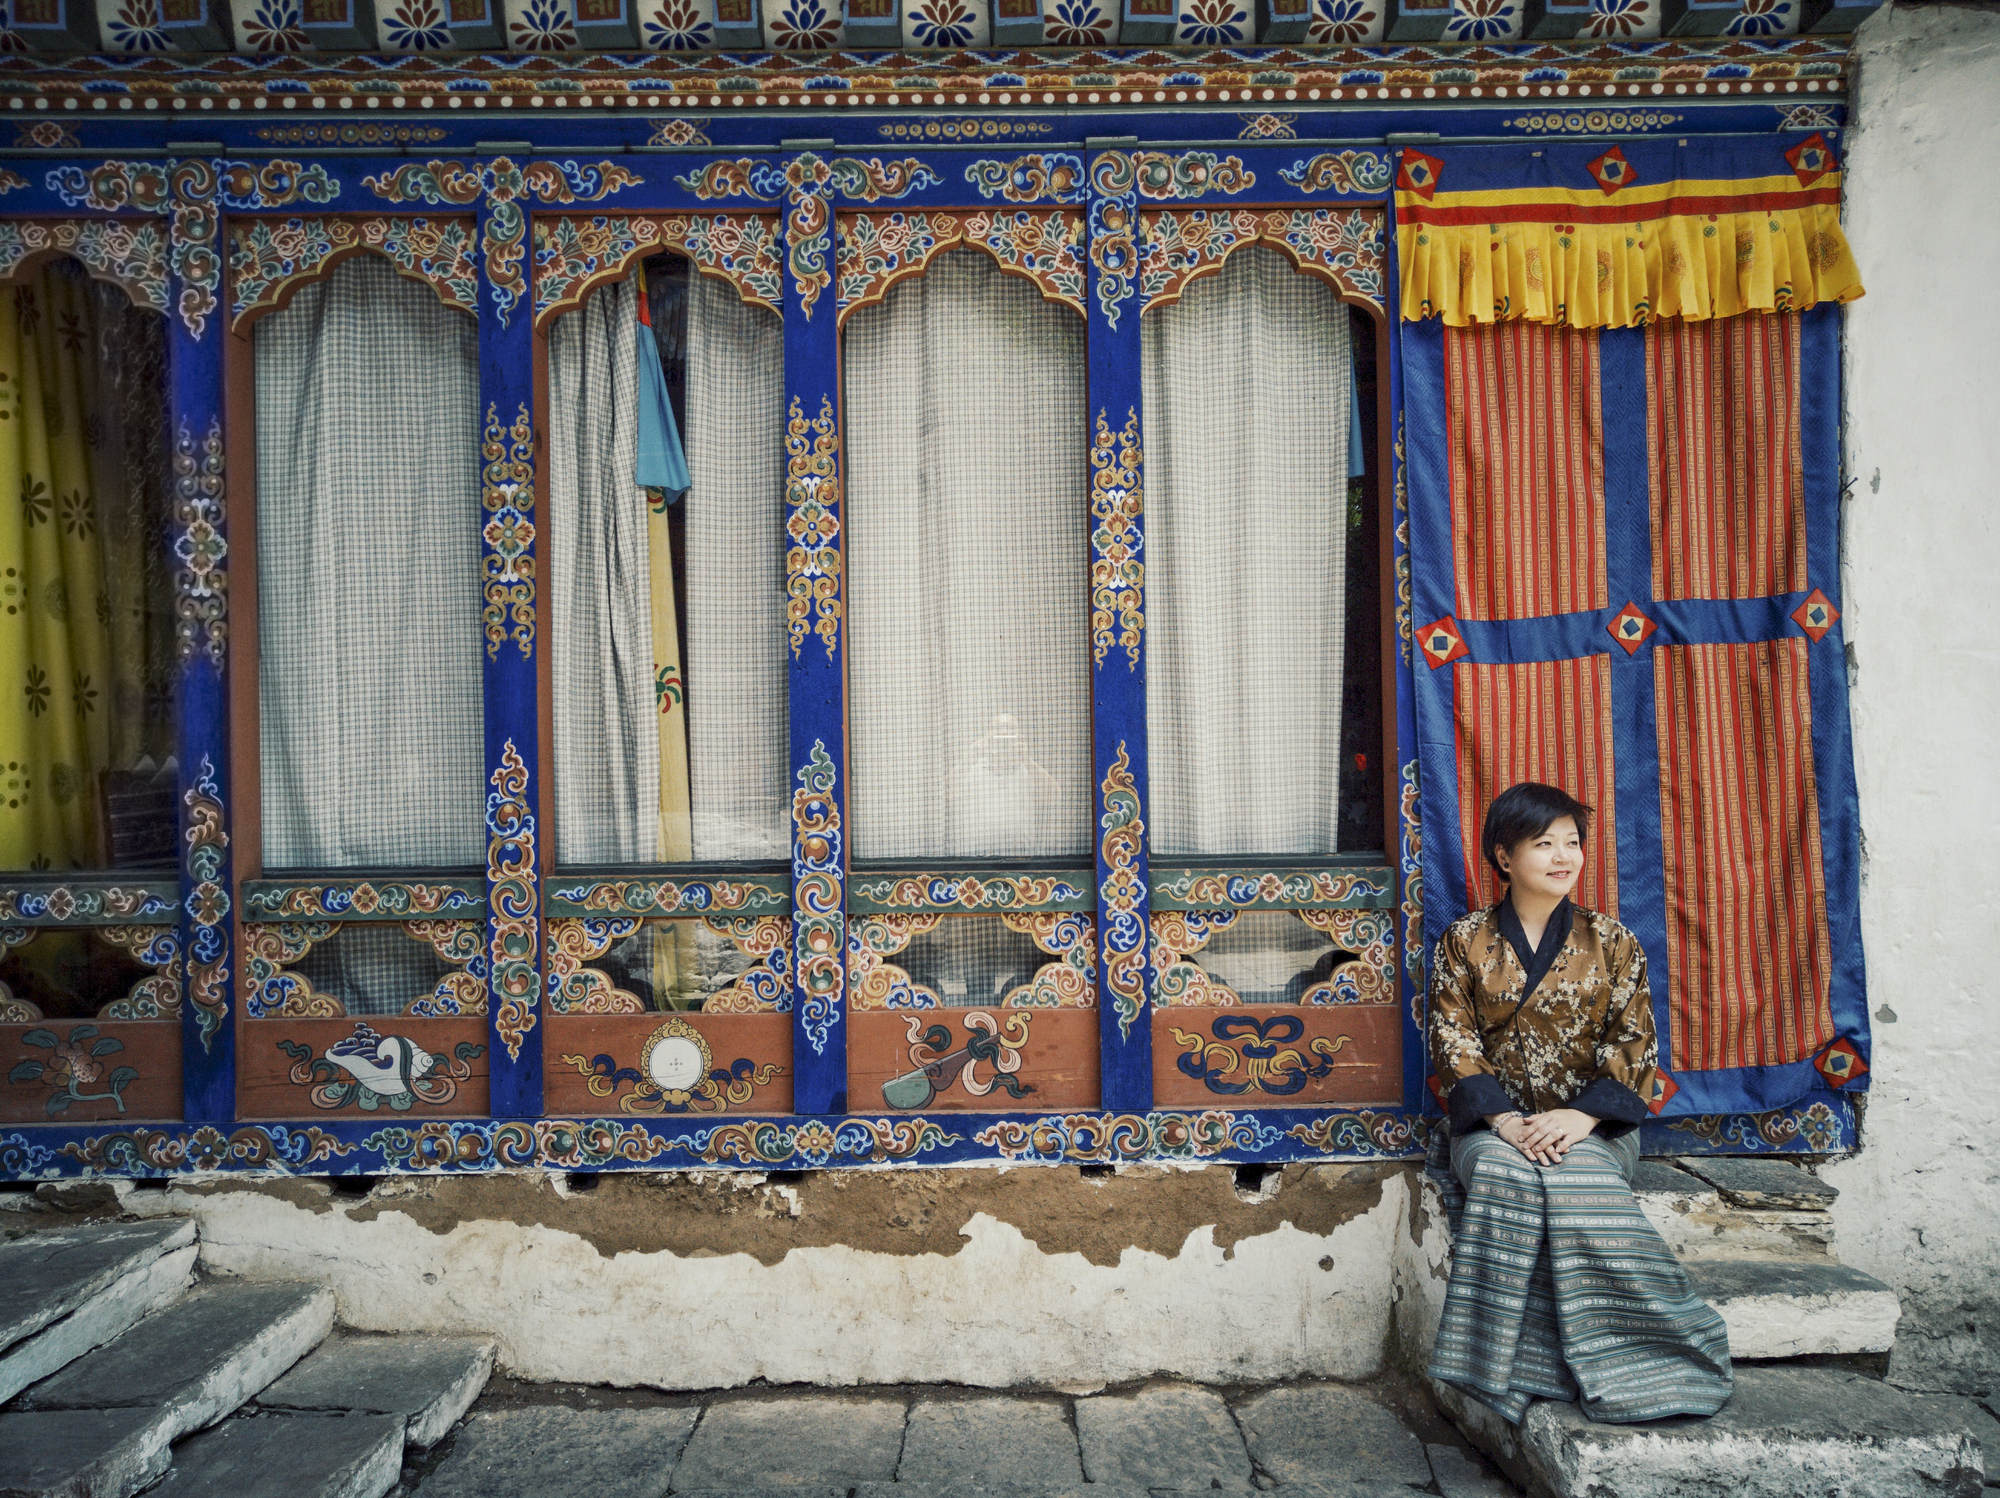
(1561, 1289)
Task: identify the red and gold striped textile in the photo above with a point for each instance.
(1542, 720)
(1526, 432)
(1748, 952)
(1724, 469)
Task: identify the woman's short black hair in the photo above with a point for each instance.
(1526, 811)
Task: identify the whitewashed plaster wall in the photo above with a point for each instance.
(1920, 1206)
(995, 1308)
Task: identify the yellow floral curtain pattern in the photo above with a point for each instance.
(85, 621)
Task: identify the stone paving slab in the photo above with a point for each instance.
(429, 1380)
(1785, 1432)
(1078, 1489)
(1167, 1436)
(49, 1275)
(151, 1284)
(1322, 1432)
(1762, 1183)
(812, 1438)
(82, 1453)
(1018, 1443)
(556, 1452)
(289, 1456)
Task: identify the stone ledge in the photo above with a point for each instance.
(1784, 1309)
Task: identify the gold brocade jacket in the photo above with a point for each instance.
(1584, 1038)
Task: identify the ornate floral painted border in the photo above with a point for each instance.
(1817, 1125)
(201, 581)
(756, 894)
(876, 250)
(75, 903)
(1124, 832)
(273, 990)
(1341, 246)
(1341, 171)
(363, 900)
(204, 845)
(507, 492)
(875, 983)
(972, 892)
(574, 988)
(818, 876)
(270, 258)
(1369, 933)
(513, 885)
(1270, 889)
(812, 528)
(575, 254)
(1117, 540)
(131, 254)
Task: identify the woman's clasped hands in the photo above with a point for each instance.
(1545, 1137)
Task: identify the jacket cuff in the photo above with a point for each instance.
(1473, 1097)
(1617, 1107)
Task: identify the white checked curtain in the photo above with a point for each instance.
(607, 730)
(1248, 400)
(967, 569)
(368, 521)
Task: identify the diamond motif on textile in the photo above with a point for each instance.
(1662, 1091)
(1612, 171)
(1419, 173)
(1631, 628)
(1442, 643)
(1816, 615)
(1811, 159)
(1840, 1063)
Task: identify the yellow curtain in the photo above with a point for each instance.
(1557, 255)
(675, 984)
(70, 664)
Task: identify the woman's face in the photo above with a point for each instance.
(1545, 866)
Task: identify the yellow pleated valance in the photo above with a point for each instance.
(1620, 252)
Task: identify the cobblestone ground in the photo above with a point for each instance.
(1308, 1440)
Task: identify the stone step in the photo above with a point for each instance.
(77, 1288)
(289, 1456)
(1791, 1309)
(1785, 1432)
(1700, 1221)
(429, 1381)
(114, 1412)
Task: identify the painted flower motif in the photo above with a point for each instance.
(1077, 23)
(677, 26)
(136, 28)
(416, 26)
(1211, 23)
(1480, 21)
(1341, 21)
(72, 1063)
(1615, 17)
(804, 26)
(941, 23)
(34, 501)
(1761, 18)
(276, 26)
(545, 26)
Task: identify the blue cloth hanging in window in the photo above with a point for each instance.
(1357, 445)
(662, 462)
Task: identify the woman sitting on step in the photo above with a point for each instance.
(1541, 1037)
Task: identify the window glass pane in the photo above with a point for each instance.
(368, 521)
(968, 687)
(1269, 957)
(721, 964)
(87, 655)
(96, 972)
(669, 667)
(1247, 405)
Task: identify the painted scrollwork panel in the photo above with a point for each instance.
(876, 983)
(1302, 971)
(277, 989)
(596, 967)
(131, 254)
(1342, 246)
(575, 253)
(873, 251)
(270, 258)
